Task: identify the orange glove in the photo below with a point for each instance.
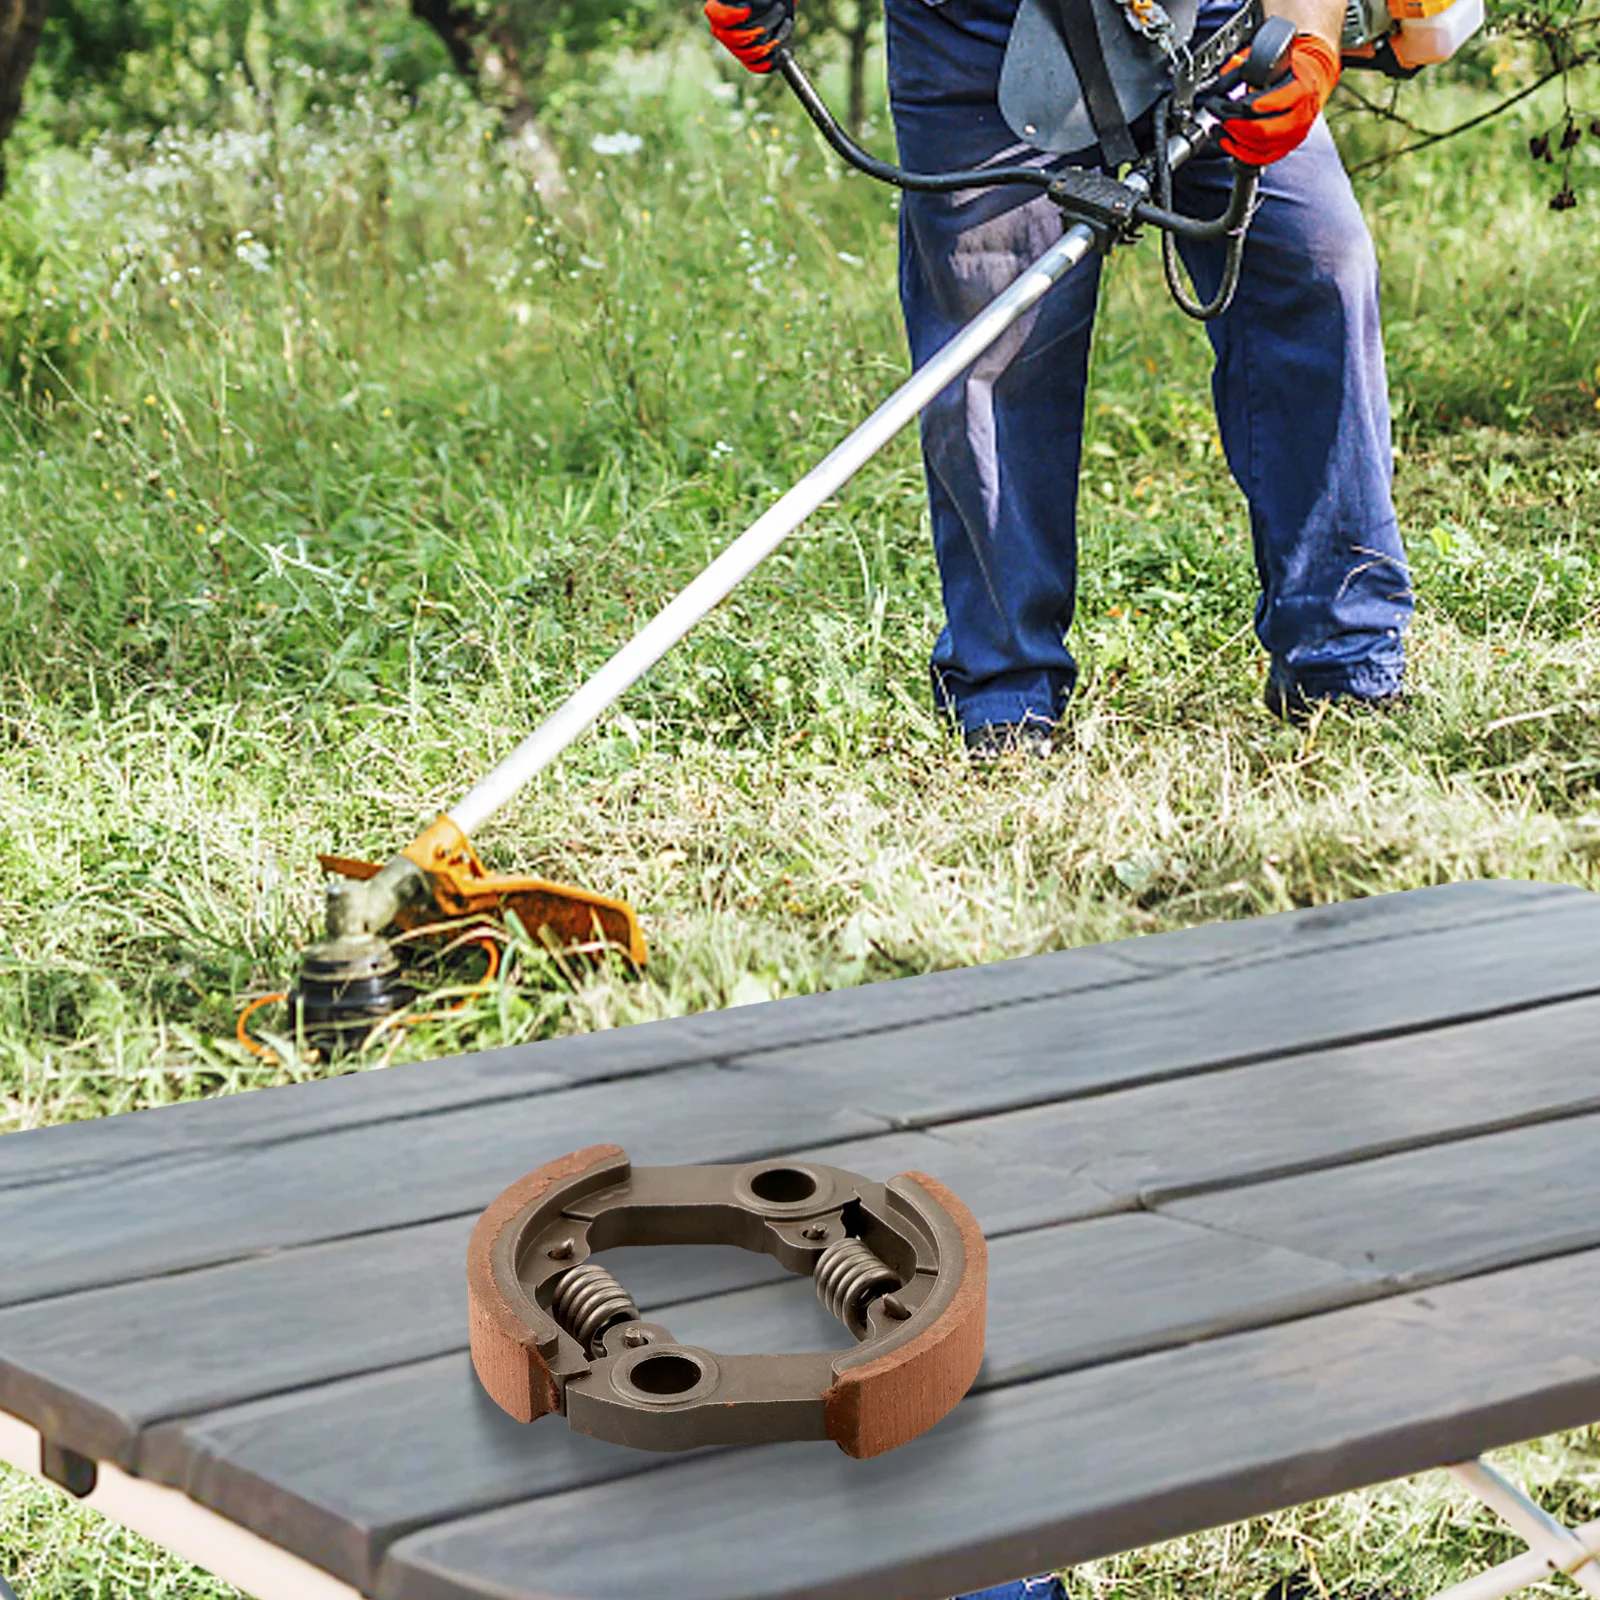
(752, 30)
(1270, 125)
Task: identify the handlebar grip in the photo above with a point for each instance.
(1269, 52)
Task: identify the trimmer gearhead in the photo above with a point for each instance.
(349, 982)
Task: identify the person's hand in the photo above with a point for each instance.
(752, 30)
(1269, 125)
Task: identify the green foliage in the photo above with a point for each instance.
(341, 453)
(37, 329)
(567, 32)
(146, 64)
(358, 456)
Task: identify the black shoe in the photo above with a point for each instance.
(994, 741)
(1298, 706)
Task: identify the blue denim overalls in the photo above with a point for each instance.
(1298, 384)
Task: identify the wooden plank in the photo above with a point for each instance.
(94, 1369)
(199, 1128)
(1455, 1208)
(176, 1524)
(205, 1209)
(420, 1089)
(1017, 1172)
(337, 1473)
(425, 1131)
(1062, 1470)
(204, 1205)
(1296, 1113)
(1192, 1022)
(97, 1366)
(1040, 1322)
(1345, 922)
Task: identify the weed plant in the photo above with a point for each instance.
(333, 454)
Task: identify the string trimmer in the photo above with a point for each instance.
(353, 979)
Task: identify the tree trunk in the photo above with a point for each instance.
(485, 51)
(502, 68)
(455, 25)
(21, 23)
(859, 37)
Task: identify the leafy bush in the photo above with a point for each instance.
(39, 331)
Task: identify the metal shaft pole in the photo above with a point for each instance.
(1520, 1572)
(1556, 1543)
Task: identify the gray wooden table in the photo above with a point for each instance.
(1275, 1209)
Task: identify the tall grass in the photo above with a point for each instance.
(333, 454)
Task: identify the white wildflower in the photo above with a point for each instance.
(616, 144)
(255, 255)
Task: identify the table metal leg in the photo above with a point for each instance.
(183, 1526)
(1552, 1546)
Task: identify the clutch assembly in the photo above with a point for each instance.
(902, 1264)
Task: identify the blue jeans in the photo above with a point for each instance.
(1048, 1587)
(1298, 384)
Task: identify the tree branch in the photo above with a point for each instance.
(1385, 113)
(1430, 138)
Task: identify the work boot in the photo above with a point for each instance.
(1297, 706)
(994, 741)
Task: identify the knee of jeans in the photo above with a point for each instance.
(967, 266)
(1345, 253)
(1310, 213)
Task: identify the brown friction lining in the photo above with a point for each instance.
(874, 1408)
(507, 1360)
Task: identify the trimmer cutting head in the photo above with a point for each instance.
(349, 981)
(352, 979)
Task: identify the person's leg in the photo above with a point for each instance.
(1048, 1587)
(1001, 446)
(1302, 403)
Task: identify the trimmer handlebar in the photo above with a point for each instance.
(1114, 208)
(1269, 53)
(1083, 194)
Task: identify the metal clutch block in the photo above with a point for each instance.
(902, 1264)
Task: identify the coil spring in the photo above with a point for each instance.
(588, 1300)
(847, 1276)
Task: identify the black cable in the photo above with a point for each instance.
(887, 172)
(1241, 207)
(1230, 225)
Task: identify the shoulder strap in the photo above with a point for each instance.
(1079, 30)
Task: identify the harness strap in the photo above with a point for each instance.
(1075, 22)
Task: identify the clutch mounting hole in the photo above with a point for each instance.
(783, 1186)
(665, 1374)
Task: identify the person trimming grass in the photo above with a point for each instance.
(1299, 383)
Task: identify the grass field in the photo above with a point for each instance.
(331, 457)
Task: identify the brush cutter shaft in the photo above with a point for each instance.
(764, 536)
(500, 786)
